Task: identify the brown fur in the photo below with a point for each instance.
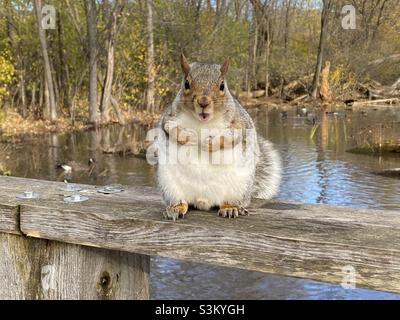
(205, 81)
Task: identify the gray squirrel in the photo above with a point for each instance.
(221, 163)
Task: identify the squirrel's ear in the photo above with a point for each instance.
(185, 65)
(225, 67)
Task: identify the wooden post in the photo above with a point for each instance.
(41, 269)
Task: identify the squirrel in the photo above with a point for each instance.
(250, 166)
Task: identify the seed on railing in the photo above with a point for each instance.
(28, 195)
(75, 198)
(111, 189)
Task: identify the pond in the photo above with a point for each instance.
(317, 169)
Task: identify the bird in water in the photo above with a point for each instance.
(349, 102)
(74, 166)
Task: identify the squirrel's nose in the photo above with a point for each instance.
(204, 101)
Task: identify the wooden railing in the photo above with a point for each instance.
(100, 249)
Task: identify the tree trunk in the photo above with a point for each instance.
(262, 22)
(286, 44)
(219, 12)
(197, 13)
(287, 26)
(325, 91)
(55, 83)
(114, 102)
(254, 55)
(268, 43)
(238, 8)
(64, 74)
(13, 37)
(150, 59)
(267, 61)
(23, 94)
(108, 80)
(33, 99)
(46, 109)
(53, 116)
(41, 90)
(248, 64)
(327, 4)
(90, 7)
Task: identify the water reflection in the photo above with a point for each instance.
(316, 170)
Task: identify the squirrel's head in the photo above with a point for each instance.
(204, 89)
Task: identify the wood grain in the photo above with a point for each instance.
(9, 218)
(42, 269)
(308, 241)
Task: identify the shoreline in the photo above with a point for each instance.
(13, 126)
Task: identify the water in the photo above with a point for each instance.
(316, 170)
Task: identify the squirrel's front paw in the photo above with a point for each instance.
(176, 211)
(231, 211)
(226, 140)
(183, 136)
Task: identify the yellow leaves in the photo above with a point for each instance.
(162, 91)
(4, 171)
(341, 75)
(337, 74)
(6, 75)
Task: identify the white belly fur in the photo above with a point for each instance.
(200, 182)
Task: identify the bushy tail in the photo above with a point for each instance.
(268, 171)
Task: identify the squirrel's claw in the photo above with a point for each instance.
(229, 213)
(176, 211)
(233, 212)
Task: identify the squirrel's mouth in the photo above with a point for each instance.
(204, 116)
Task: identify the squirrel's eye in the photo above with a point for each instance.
(222, 86)
(187, 85)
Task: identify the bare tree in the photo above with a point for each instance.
(108, 80)
(13, 36)
(63, 69)
(238, 6)
(90, 8)
(150, 58)
(288, 4)
(326, 8)
(220, 7)
(263, 18)
(50, 93)
(253, 43)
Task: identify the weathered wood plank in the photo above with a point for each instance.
(346, 225)
(376, 268)
(9, 218)
(42, 269)
(307, 241)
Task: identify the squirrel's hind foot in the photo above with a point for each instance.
(232, 211)
(176, 211)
